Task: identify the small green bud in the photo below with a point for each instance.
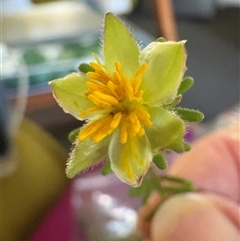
(161, 40)
(84, 68)
(72, 136)
(160, 161)
(185, 85)
(187, 146)
(189, 115)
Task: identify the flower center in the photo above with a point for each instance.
(117, 102)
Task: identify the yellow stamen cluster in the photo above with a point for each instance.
(118, 101)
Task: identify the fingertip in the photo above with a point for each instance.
(191, 217)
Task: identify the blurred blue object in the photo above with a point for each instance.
(115, 6)
(203, 9)
(4, 138)
(13, 6)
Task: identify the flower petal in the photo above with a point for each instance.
(130, 161)
(86, 154)
(119, 45)
(167, 130)
(69, 92)
(166, 66)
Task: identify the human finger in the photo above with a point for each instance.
(188, 217)
(213, 164)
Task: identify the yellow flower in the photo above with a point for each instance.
(124, 100)
(120, 98)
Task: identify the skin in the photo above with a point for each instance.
(213, 212)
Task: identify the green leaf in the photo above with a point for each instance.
(143, 191)
(69, 92)
(84, 68)
(138, 191)
(86, 154)
(119, 45)
(175, 184)
(188, 114)
(165, 185)
(160, 161)
(185, 85)
(166, 66)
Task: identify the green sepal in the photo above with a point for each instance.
(106, 169)
(160, 161)
(185, 85)
(72, 136)
(84, 68)
(189, 114)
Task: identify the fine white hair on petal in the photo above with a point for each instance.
(101, 39)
